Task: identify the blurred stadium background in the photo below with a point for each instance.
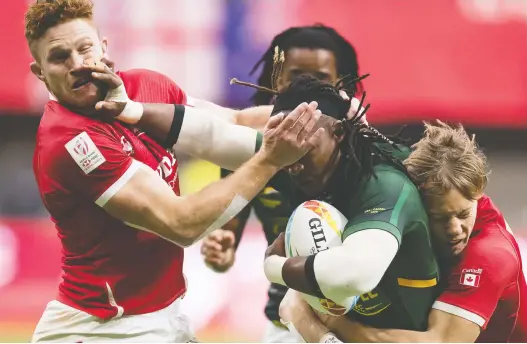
(458, 60)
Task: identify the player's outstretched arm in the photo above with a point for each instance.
(146, 201)
(340, 273)
(194, 131)
(253, 117)
(200, 134)
(443, 327)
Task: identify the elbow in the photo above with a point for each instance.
(179, 232)
(351, 285)
(343, 285)
(184, 241)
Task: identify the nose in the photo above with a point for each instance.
(76, 60)
(454, 228)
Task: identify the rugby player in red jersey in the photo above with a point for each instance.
(484, 298)
(113, 191)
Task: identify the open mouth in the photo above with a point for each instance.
(82, 82)
(455, 242)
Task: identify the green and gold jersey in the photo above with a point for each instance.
(391, 202)
(407, 290)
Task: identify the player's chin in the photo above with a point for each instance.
(458, 248)
(309, 186)
(86, 98)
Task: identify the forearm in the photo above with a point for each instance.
(350, 331)
(340, 272)
(220, 201)
(200, 134)
(310, 327)
(254, 117)
(157, 121)
(299, 273)
(237, 224)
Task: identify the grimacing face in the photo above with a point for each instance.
(452, 218)
(60, 52)
(320, 63)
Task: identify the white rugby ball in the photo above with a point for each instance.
(313, 227)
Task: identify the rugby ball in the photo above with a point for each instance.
(313, 227)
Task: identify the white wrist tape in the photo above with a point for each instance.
(236, 205)
(133, 111)
(329, 338)
(273, 269)
(117, 95)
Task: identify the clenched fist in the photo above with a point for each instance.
(218, 250)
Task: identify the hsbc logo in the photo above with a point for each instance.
(470, 277)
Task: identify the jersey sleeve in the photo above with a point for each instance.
(157, 83)
(91, 163)
(389, 202)
(477, 282)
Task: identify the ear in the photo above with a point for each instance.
(338, 130)
(104, 45)
(37, 71)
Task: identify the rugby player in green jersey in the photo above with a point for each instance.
(316, 50)
(386, 257)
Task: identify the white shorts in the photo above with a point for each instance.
(276, 334)
(61, 323)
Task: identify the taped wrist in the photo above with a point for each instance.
(309, 271)
(132, 113)
(329, 338)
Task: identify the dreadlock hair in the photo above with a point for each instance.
(313, 37)
(357, 147)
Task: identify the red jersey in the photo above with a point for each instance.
(487, 285)
(109, 268)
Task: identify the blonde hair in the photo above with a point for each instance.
(445, 158)
(45, 14)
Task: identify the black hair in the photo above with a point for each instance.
(314, 37)
(358, 148)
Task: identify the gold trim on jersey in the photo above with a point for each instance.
(403, 282)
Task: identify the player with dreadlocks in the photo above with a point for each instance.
(317, 50)
(386, 263)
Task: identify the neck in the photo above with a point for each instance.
(331, 177)
(331, 167)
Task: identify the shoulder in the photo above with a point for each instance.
(488, 215)
(137, 80)
(390, 181)
(492, 253)
(63, 134)
(140, 74)
(59, 125)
